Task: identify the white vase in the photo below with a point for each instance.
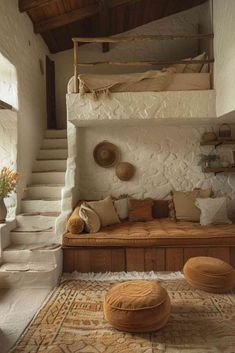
(3, 211)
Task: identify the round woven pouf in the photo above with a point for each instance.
(137, 306)
(209, 274)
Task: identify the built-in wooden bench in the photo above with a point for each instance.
(158, 245)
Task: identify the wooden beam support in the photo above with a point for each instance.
(145, 63)
(75, 54)
(74, 15)
(143, 37)
(66, 18)
(27, 5)
(104, 22)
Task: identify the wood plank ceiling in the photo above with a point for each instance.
(59, 20)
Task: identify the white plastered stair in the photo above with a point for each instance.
(34, 256)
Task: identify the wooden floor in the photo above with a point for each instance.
(138, 259)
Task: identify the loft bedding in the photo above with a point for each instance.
(178, 77)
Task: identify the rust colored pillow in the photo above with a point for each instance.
(75, 224)
(160, 208)
(140, 210)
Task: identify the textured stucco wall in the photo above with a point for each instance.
(165, 158)
(224, 51)
(130, 108)
(186, 21)
(23, 49)
(8, 150)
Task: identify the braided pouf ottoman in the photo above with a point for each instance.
(209, 274)
(137, 306)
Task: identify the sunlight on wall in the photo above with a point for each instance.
(8, 82)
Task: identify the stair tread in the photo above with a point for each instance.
(43, 246)
(20, 230)
(49, 171)
(53, 148)
(43, 185)
(53, 159)
(26, 267)
(45, 214)
(43, 199)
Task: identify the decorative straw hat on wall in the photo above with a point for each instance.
(106, 154)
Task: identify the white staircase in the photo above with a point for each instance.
(34, 256)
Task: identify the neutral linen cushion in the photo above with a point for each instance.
(75, 224)
(195, 68)
(121, 207)
(91, 219)
(140, 210)
(213, 210)
(137, 306)
(105, 210)
(209, 274)
(184, 204)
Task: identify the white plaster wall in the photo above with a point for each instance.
(224, 50)
(23, 49)
(8, 82)
(184, 22)
(8, 151)
(165, 158)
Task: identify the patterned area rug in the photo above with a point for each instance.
(72, 322)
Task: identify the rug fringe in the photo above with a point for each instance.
(121, 276)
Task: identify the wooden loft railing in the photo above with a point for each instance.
(209, 37)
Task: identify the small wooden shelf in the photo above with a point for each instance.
(218, 142)
(219, 170)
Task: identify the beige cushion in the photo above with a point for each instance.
(209, 274)
(105, 210)
(194, 68)
(180, 67)
(91, 219)
(137, 306)
(213, 211)
(121, 207)
(75, 224)
(184, 204)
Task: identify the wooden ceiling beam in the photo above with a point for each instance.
(27, 5)
(75, 15)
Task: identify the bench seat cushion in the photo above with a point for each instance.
(158, 232)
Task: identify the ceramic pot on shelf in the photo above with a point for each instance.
(3, 211)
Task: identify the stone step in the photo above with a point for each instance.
(49, 154)
(54, 143)
(50, 165)
(45, 205)
(20, 275)
(31, 253)
(36, 221)
(48, 177)
(21, 237)
(56, 133)
(34, 192)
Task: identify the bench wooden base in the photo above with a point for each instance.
(116, 259)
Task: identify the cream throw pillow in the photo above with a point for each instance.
(121, 207)
(195, 68)
(91, 219)
(213, 211)
(105, 210)
(184, 204)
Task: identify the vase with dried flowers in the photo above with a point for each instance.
(8, 182)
